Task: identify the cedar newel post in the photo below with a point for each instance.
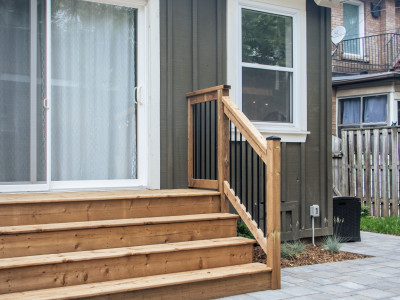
(274, 209)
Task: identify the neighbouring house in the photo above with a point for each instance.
(94, 97)
(365, 64)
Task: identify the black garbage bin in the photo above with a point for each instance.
(347, 214)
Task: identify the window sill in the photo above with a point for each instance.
(287, 134)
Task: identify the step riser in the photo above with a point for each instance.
(198, 291)
(74, 273)
(77, 211)
(105, 238)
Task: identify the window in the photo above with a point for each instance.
(267, 65)
(353, 21)
(365, 111)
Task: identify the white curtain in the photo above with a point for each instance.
(351, 110)
(93, 91)
(375, 109)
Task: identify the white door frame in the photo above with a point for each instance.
(148, 110)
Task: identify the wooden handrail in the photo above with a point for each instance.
(247, 129)
(269, 152)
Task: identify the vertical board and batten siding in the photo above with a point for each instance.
(193, 56)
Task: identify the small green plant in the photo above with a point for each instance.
(243, 231)
(290, 250)
(365, 211)
(333, 243)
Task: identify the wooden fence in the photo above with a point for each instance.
(365, 164)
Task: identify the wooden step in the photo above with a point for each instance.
(27, 240)
(197, 284)
(43, 208)
(66, 269)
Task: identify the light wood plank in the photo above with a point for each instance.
(152, 282)
(208, 90)
(359, 164)
(245, 216)
(204, 184)
(376, 173)
(18, 198)
(190, 144)
(368, 168)
(112, 223)
(273, 178)
(395, 172)
(352, 164)
(72, 211)
(131, 264)
(345, 162)
(246, 128)
(46, 259)
(385, 173)
(36, 243)
(223, 153)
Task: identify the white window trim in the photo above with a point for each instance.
(289, 132)
(361, 28)
(390, 111)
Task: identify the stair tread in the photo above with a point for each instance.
(141, 283)
(112, 223)
(20, 198)
(46, 259)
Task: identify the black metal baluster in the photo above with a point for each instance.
(252, 182)
(247, 177)
(258, 192)
(240, 170)
(209, 138)
(200, 142)
(264, 197)
(235, 146)
(230, 153)
(194, 107)
(216, 140)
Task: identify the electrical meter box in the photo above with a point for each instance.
(314, 210)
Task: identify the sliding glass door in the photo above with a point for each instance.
(68, 109)
(23, 118)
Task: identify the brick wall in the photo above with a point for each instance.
(388, 21)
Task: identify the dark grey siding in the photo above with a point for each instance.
(193, 56)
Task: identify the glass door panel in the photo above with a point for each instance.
(93, 107)
(22, 91)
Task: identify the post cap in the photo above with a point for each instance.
(273, 138)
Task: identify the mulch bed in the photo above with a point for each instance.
(312, 255)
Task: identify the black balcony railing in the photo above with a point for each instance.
(370, 54)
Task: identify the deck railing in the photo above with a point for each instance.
(370, 54)
(227, 153)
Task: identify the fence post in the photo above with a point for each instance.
(273, 178)
(223, 148)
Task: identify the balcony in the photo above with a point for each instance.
(370, 54)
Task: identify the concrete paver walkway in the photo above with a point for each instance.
(377, 277)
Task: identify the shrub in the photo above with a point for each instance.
(333, 243)
(243, 231)
(292, 249)
(365, 211)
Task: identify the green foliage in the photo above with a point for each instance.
(292, 249)
(243, 231)
(266, 38)
(365, 211)
(388, 225)
(333, 243)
